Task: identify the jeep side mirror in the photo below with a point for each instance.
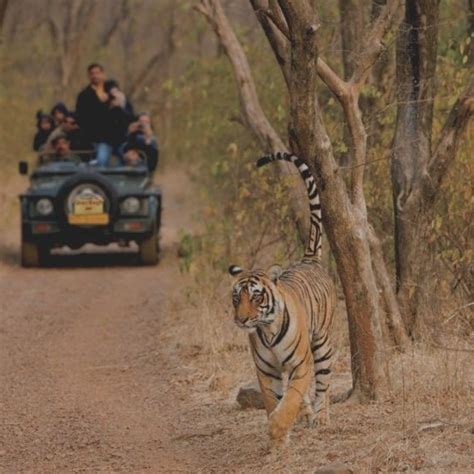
(23, 167)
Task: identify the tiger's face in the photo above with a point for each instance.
(255, 299)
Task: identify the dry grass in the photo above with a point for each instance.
(422, 422)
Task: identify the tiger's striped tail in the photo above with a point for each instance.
(313, 247)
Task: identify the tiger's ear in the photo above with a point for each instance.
(235, 270)
(274, 272)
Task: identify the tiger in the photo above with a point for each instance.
(288, 314)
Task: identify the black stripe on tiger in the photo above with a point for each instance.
(313, 247)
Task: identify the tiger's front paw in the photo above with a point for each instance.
(276, 446)
(278, 431)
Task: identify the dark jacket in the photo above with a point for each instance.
(91, 115)
(41, 138)
(80, 145)
(119, 119)
(98, 121)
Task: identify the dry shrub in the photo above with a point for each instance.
(213, 344)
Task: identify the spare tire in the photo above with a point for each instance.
(95, 180)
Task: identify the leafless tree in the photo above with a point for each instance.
(69, 23)
(253, 115)
(117, 21)
(292, 29)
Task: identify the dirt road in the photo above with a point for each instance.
(84, 384)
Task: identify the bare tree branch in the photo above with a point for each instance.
(277, 17)
(348, 93)
(389, 18)
(141, 78)
(359, 144)
(335, 84)
(348, 96)
(252, 112)
(68, 34)
(160, 58)
(448, 143)
(256, 120)
(119, 19)
(276, 37)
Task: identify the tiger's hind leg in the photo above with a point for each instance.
(322, 353)
(307, 411)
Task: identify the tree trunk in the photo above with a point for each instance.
(417, 172)
(354, 18)
(416, 63)
(345, 224)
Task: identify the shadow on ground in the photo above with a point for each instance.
(88, 258)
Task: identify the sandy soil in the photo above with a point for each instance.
(84, 385)
(96, 375)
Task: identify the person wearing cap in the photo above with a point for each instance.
(45, 125)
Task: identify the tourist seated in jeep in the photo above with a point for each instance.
(141, 138)
(59, 113)
(45, 126)
(61, 152)
(133, 158)
(77, 141)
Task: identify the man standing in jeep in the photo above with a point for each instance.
(92, 113)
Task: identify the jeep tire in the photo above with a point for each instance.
(33, 255)
(149, 249)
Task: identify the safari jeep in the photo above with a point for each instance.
(69, 204)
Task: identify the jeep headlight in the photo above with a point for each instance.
(130, 205)
(44, 207)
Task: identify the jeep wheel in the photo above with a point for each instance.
(149, 249)
(33, 255)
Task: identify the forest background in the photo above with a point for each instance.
(167, 60)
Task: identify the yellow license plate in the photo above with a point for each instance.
(88, 206)
(88, 219)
